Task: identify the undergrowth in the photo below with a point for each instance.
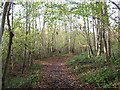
(95, 71)
(103, 78)
(27, 80)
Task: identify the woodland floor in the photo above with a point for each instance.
(53, 73)
(56, 75)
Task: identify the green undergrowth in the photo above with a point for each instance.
(95, 71)
(105, 78)
(35, 66)
(27, 80)
(62, 55)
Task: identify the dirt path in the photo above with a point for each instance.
(55, 74)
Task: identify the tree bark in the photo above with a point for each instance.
(94, 41)
(9, 47)
(119, 31)
(88, 36)
(105, 45)
(5, 10)
(99, 33)
(25, 48)
(104, 23)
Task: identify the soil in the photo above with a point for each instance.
(56, 74)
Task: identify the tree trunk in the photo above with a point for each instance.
(119, 32)
(5, 10)
(12, 58)
(25, 48)
(88, 38)
(99, 36)
(94, 41)
(96, 34)
(104, 23)
(105, 45)
(9, 48)
(107, 24)
(73, 44)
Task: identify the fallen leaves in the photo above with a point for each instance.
(55, 74)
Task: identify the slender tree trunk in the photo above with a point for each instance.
(105, 45)
(99, 31)
(100, 42)
(104, 23)
(12, 57)
(96, 35)
(9, 48)
(88, 37)
(5, 10)
(25, 48)
(109, 43)
(67, 40)
(94, 41)
(107, 24)
(119, 31)
(73, 44)
(43, 42)
(29, 56)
